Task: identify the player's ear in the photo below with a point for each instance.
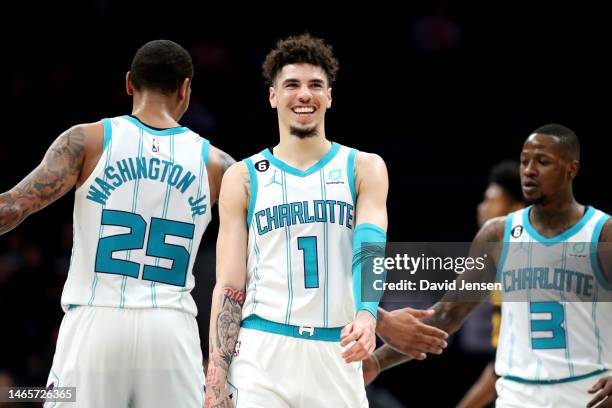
(574, 167)
(129, 87)
(184, 89)
(329, 98)
(272, 97)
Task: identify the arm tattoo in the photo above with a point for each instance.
(228, 325)
(388, 357)
(54, 177)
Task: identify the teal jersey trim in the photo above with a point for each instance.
(552, 382)
(568, 354)
(288, 250)
(165, 132)
(108, 132)
(253, 193)
(505, 245)
(564, 236)
(593, 252)
(299, 332)
(303, 173)
(94, 283)
(164, 214)
(205, 151)
(325, 256)
(256, 269)
(365, 233)
(350, 173)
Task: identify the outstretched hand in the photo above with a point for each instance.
(404, 330)
(362, 331)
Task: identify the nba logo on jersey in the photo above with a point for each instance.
(155, 145)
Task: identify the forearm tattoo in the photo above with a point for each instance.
(227, 327)
(388, 357)
(54, 176)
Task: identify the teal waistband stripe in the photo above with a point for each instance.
(559, 381)
(300, 332)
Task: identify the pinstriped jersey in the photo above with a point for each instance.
(300, 226)
(551, 334)
(138, 219)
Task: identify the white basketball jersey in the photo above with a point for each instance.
(300, 240)
(139, 218)
(550, 335)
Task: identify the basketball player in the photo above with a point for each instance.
(144, 188)
(290, 218)
(550, 351)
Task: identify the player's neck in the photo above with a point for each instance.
(155, 110)
(553, 218)
(301, 153)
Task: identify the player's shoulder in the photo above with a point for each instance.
(365, 159)
(86, 136)
(606, 231)
(88, 130)
(219, 160)
(493, 229)
(369, 164)
(236, 185)
(237, 171)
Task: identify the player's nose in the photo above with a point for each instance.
(304, 94)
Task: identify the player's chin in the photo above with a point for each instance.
(532, 196)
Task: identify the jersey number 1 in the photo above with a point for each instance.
(308, 245)
(159, 229)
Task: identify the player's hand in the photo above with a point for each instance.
(604, 386)
(362, 331)
(403, 330)
(371, 369)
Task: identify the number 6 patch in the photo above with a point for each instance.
(262, 165)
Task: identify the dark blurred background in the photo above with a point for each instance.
(441, 90)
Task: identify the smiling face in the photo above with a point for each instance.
(301, 95)
(547, 169)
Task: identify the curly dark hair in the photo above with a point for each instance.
(161, 65)
(301, 49)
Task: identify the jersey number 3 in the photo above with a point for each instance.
(159, 229)
(547, 331)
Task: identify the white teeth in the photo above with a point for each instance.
(303, 110)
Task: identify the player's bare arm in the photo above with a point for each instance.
(604, 385)
(448, 314)
(371, 185)
(218, 163)
(60, 170)
(229, 292)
